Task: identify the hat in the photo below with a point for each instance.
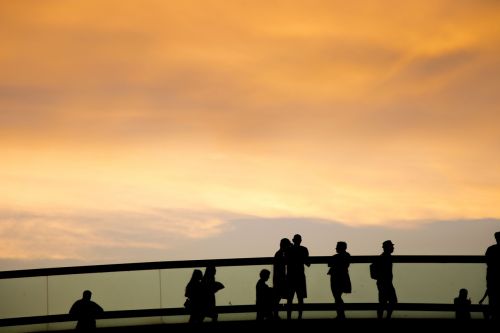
(387, 242)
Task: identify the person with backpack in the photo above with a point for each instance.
(381, 270)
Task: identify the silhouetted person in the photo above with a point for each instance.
(339, 276)
(280, 285)
(493, 277)
(85, 312)
(296, 257)
(209, 287)
(194, 297)
(386, 293)
(264, 296)
(462, 305)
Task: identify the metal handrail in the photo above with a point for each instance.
(474, 259)
(428, 259)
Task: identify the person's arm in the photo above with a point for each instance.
(72, 310)
(307, 262)
(484, 296)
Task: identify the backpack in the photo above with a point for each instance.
(374, 270)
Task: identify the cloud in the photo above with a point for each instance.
(101, 236)
(329, 110)
(122, 237)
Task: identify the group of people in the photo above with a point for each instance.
(289, 279)
(200, 295)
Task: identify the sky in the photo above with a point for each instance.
(164, 130)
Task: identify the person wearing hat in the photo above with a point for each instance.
(386, 293)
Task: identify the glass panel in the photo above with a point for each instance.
(23, 297)
(129, 290)
(153, 289)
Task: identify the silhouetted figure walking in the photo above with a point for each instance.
(264, 296)
(85, 312)
(296, 257)
(462, 305)
(209, 287)
(386, 293)
(493, 277)
(340, 281)
(194, 297)
(280, 285)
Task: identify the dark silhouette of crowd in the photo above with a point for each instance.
(289, 280)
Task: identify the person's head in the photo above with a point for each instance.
(197, 275)
(285, 243)
(297, 239)
(265, 274)
(341, 247)
(388, 246)
(497, 237)
(462, 293)
(210, 271)
(87, 294)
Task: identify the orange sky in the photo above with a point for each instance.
(175, 117)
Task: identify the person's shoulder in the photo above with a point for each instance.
(492, 248)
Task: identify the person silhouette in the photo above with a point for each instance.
(340, 281)
(386, 293)
(296, 257)
(264, 296)
(462, 305)
(194, 296)
(493, 277)
(85, 312)
(209, 287)
(280, 285)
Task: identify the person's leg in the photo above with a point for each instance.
(391, 300)
(300, 301)
(289, 305)
(276, 305)
(381, 301)
(337, 295)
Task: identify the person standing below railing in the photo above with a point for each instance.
(264, 297)
(462, 305)
(386, 293)
(493, 277)
(85, 311)
(340, 281)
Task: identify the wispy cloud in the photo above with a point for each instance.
(101, 236)
(330, 110)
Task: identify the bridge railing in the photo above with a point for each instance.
(153, 292)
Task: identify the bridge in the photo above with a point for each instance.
(149, 296)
